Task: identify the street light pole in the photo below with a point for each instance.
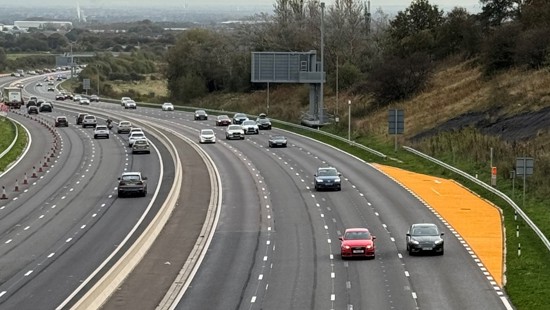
(97, 68)
(349, 121)
(321, 120)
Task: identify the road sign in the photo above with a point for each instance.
(86, 84)
(524, 166)
(493, 176)
(396, 122)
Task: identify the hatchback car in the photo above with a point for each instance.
(132, 183)
(223, 120)
(135, 136)
(357, 242)
(250, 127)
(46, 107)
(234, 132)
(123, 100)
(201, 115)
(84, 101)
(263, 123)
(89, 121)
(94, 98)
(101, 131)
(327, 178)
(424, 237)
(239, 118)
(32, 109)
(141, 146)
(124, 127)
(277, 141)
(130, 104)
(61, 121)
(207, 136)
(167, 106)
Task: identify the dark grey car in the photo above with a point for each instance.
(425, 237)
(327, 178)
(275, 141)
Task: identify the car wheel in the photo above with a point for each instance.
(242, 138)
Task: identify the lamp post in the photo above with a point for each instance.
(97, 69)
(321, 120)
(349, 121)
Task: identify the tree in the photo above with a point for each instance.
(459, 33)
(495, 12)
(418, 23)
(3, 59)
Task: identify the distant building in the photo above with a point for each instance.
(43, 25)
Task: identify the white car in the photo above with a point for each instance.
(250, 127)
(135, 136)
(101, 131)
(130, 104)
(207, 136)
(135, 129)
(89, 120)
(234, 132)
(77, 98)
(123, 100)
(84, 101)
(167, 106)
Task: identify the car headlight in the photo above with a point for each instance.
(319, 180)
(369, 247)
(337, 180)
(414, 241)
(440, 241)
(346, 247)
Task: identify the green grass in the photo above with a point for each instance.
(23, 55)
(528, 275)
(8, 134)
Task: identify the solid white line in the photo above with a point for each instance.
(28, 273)
(506, 303)
(332, 297)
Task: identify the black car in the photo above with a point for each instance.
(80, 117)
(46, 107)
(275, 141)
(425, 237)
(31, 102)
(32, 109)
(327, 178)
(263, 123)
(201, 115)
(239, 118)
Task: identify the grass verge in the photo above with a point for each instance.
(8, 133)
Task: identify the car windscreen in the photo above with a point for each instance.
(327, 172)
(357, 235)
(425, 231)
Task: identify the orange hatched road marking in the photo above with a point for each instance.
(478, 221)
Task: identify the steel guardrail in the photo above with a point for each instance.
(493, 190)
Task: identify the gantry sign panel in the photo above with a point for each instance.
(285, 67)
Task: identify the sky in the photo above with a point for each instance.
(192, 3)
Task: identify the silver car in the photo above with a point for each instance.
(141, 146)
(101, 131)
(207, 136)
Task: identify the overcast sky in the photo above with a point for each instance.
(199, 3)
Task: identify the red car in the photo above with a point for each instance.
(357, 242)
(223, 120)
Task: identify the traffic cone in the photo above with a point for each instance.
(16, 186)
(40, 167)
(45, 163)
(4, 193)
(25, 180)
(48, 158)
(34, 172)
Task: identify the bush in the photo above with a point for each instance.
(498, 50)
(533, 48)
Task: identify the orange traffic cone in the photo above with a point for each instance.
(16, 186)
(25, 180)
(34, 172)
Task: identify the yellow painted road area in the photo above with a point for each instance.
(476, 220)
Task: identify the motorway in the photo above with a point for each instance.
(275, 245)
